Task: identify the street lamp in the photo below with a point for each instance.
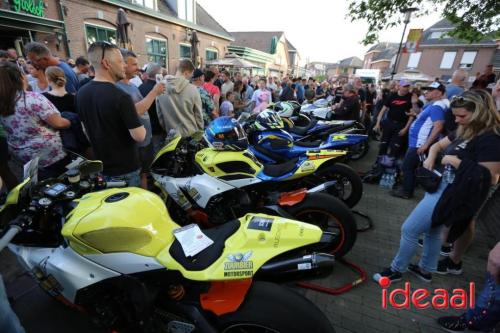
(407, 12)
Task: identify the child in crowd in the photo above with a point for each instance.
(227, 108)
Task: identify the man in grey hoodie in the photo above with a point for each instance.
(180, 107)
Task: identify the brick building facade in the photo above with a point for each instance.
(159, 33)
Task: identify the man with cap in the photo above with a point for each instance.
(350, 106)
(145, 88)
(423, 133)
(207, 104)
(397, 123)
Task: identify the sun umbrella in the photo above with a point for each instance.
(122, 24)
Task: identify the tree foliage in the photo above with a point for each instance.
(474, 20)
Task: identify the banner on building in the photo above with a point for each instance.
(412, 41)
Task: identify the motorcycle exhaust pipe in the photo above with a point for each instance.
(297, 264)
(322, 187)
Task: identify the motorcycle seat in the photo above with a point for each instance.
(209, 255)
(302, 130)
(308, 144)
(277, 170)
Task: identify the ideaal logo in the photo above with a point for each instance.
(441, 299)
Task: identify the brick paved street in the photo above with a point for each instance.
(358, 310)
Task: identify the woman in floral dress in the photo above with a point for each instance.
(31, 123)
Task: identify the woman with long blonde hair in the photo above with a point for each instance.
(477, 139)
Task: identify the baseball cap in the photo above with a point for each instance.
(435, 85)
(197, 73)
(404, 83)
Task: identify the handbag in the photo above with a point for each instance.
(428, 179)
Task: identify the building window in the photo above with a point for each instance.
(211, 55)
(414, 59)
(185, 10)
(95, 33)
(448, 59)
(468, 59)
(151, 4)
(157, 51)
(184, 51)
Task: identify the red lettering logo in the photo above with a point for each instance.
(404, 298)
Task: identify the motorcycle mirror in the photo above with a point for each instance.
(90, 167)
(243, 117)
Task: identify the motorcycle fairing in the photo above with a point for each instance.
(65, 269)
(170, 146)
(247, 249)
(13, 196)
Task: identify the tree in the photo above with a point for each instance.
(474, 20)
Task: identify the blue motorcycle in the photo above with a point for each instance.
(272, 145)
(313, 132)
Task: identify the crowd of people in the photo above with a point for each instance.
(107, 107)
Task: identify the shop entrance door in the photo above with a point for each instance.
(13, 38)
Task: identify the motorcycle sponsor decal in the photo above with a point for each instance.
(277, 237)
(239, 265)
(339, 137)
(47, 282)
(260, 223)
(192, 192)
(307, 166)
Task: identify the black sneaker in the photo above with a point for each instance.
(453, 323)
(388, 272)
(415, 270)
(445, 250)
(447, 266)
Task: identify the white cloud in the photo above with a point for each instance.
(318, 29)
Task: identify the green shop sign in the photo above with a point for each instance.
(33, 7)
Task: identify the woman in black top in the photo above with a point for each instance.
(476, 141)
(61, 99)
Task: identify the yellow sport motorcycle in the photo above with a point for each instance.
(215, 186)
(115, 254)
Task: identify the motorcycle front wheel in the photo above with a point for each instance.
(330, 214)
(269, 307)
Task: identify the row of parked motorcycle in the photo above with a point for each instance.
(245, 204)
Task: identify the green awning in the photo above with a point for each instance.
(29, 22)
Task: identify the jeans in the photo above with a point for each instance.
(419, 222)
(9, 323)
(486, 314)
(410, 164)
(132, 178)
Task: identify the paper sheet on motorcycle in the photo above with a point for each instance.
(192, 239)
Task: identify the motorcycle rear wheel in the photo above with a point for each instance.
(349, 187)
(330, 214)
(269, 307)
(359, 151)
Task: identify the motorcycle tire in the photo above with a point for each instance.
(315, 207)
(360, 150)
(269, 307)
(341, 173)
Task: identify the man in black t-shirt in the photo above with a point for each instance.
(397, 123)
(109, 116)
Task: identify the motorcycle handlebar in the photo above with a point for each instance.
(9, 235)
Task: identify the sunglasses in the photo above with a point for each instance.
(460, 99)
(104, 46)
